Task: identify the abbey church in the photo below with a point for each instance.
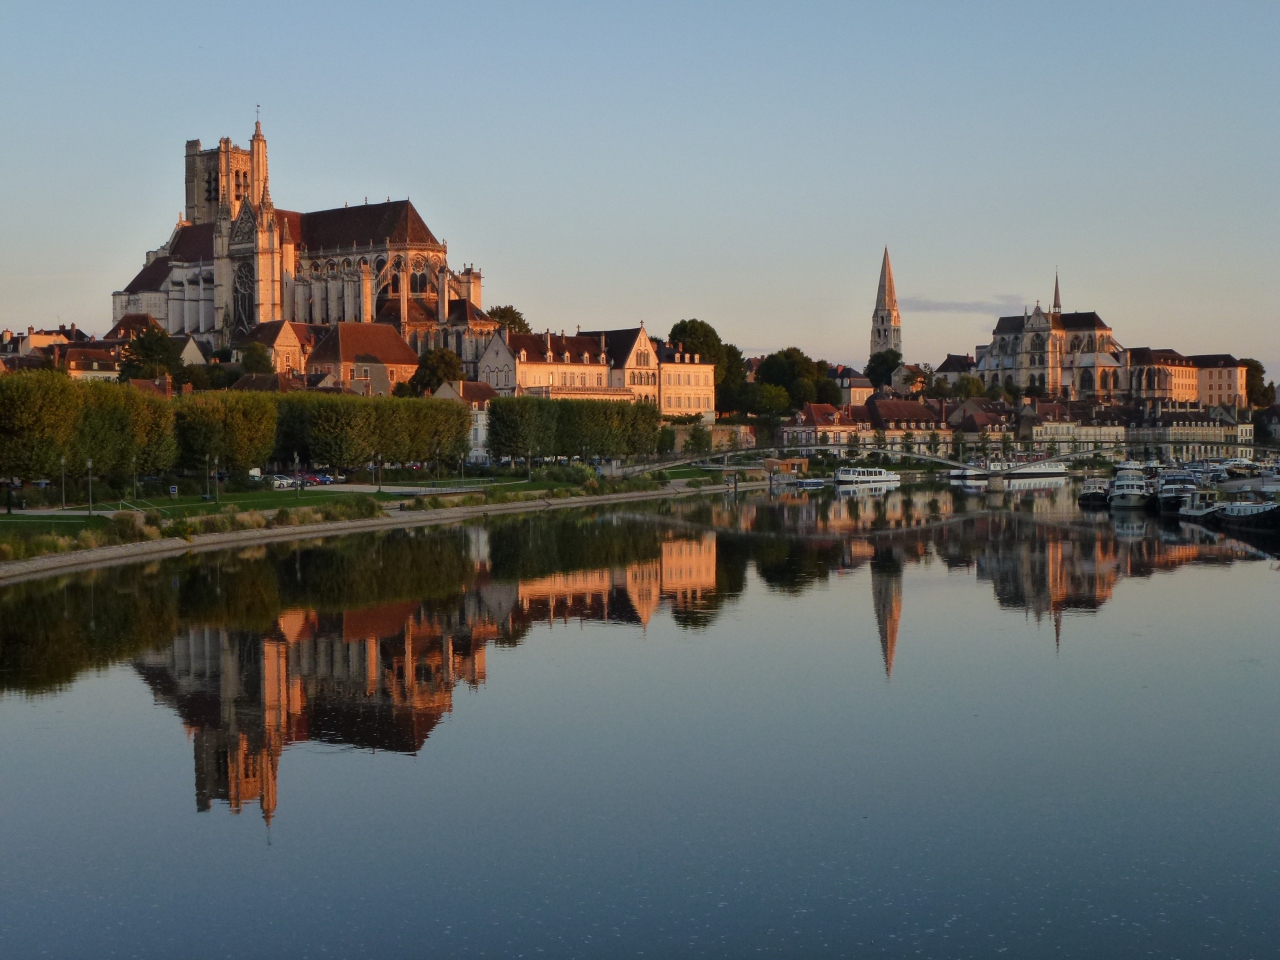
(235, 260)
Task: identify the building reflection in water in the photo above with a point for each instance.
(380, 677)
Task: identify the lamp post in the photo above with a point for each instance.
(216, 491)
(379, 473)
(297, 476)
(206, 476)
(63, 460)
(88, 466)
(135, 476)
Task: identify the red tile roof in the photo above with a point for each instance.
(364, 343)
(133, 325)
(537, 345)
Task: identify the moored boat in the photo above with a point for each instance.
(866, 476)
(1128, 491)
(810, 483)
(1175, 491)
(1249, 516)
(1093, 495)
(1200, 507)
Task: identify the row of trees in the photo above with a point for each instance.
(532, 427)
(46, 418)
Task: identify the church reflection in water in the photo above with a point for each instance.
(381, 677)
(364, 641)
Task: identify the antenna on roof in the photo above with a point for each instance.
(257, 112)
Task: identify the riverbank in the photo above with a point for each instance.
(18, 571)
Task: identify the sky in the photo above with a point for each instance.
(745, 164)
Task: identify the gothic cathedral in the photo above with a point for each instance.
(235, 260)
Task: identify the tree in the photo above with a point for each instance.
(769, 400)
(880, 367)
(509, 317)
(237, 427)
(699, 440)
(1006, 445)
(39, 411)
(701, 338)
(151, 355)
(255, 358)
(828, 391)
(794, 371)
(909, 442)
(521, 427)
(1255, 382)
(435, 367)
(984, 442)
(731, 392)
(968, 386)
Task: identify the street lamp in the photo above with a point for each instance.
(379, 473)
(63, 461)
(206, 476)
(216, 492)
(88, 465)
(134, 461)
(297, 476)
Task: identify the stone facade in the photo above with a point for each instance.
(235, 260)
(886, 323)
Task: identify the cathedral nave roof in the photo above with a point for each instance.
(370, 223)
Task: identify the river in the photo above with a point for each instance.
(921, 725)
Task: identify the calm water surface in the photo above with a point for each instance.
(800, 727)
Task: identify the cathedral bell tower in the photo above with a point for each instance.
(886, 323)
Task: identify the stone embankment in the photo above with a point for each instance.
(16, 571)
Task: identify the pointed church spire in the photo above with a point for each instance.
(886, 296)
(1057, 297)
(886, 323)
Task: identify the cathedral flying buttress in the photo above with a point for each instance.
(235, 260)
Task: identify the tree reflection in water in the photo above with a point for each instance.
(362, 640)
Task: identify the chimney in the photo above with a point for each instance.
(602, 341)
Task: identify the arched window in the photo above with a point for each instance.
(243, 297)
(1086, 380)
(1075, 344)
(1151, 378)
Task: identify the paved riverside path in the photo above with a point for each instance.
(17, 571)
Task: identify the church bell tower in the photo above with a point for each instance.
(886, 323)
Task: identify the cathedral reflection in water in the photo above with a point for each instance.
(382, 677)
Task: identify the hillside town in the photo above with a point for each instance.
(245, 296)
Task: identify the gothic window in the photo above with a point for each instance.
(380, 264)
(395, 284)
(243, 298)
(1086, 380)
(457, 339)
(1091, 345)
(346, 264)
(1151, 378)
(1075, 344)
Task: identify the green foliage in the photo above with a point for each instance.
(343, 430)
(509, 317)
(828, 391)
(1255, 383)
(699, 440)
(535, 427)
(880, 367)
(255, 358)
(701, 338)
(39, 412)
(435, 367)
(667, 440)
(151, 355)
(731, 390)
(237, 428)
(968, 386)
(769, 400)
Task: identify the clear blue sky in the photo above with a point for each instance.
(740, 163)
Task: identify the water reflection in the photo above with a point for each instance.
(363, 641)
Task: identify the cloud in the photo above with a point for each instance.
(1004, 304)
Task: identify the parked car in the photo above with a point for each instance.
(281, 482)
(311, 480)
(324, 478)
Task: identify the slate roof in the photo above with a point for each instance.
(370, 223)
(956, 363)
(891, 411)
(1067, 321)
(150, 277)
(193, 243)
(618, 344)
(1145, 356)
(133, 325)
(1206, 360)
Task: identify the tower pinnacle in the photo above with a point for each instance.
(886, 323)
(1057, 297)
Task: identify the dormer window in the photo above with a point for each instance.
(566, 356)
(524, 356)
